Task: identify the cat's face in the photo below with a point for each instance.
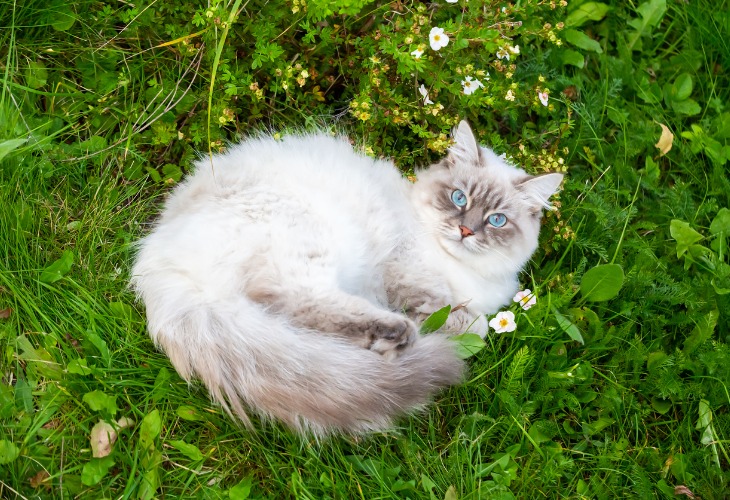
(480, 209)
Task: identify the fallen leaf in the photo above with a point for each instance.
(54, 423)
(125, 422)
(102, 439)
(665, 140)
(683, 490)
(5, 313)
(40, 480)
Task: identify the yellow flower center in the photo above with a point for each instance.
(437, 38)
(503, 322)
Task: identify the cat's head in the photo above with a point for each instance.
(480, 209)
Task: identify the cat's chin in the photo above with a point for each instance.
(460, 248)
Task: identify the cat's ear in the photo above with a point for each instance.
(538, 189)
(466, 147)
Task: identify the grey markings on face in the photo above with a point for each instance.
(485, 198)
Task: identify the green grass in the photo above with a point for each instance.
(637, 409)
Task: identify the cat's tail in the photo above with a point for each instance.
(251, 360)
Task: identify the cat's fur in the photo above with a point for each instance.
(289, 276)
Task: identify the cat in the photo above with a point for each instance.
(290, 276)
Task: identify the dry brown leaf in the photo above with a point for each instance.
(40, 479)
(665, 140)
(125, 422)
(5, 313)
(54, 423)
(103, 436)
(683, 490)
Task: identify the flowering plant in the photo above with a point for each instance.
(407, 69)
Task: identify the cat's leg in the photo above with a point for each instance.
(337, 313)
(420, 293)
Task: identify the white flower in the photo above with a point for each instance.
(417, 53)
(470, 84)
(438, 38)
(506, 51)
(503, 322)
(451, 1)
(543, 96)
(526, 299)
(510, 96)
(424, 93)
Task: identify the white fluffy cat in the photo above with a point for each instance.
(290, 275)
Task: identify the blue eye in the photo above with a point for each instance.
(497, 220)
(459, 198)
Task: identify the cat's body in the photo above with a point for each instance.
(279, 275)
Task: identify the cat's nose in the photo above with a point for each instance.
(465, 231)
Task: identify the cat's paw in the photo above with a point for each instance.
(461, 321)
(389, 335)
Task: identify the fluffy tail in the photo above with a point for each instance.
(314, 383)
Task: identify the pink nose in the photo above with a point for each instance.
(465, 231)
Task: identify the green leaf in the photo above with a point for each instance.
(150, 429)
(241, 491)
(58, 268)
(687, 107)
(79, 366)
(7, 402)
(661, 405)
(701, 332)
(721, 223)
(123, 311)
(6, 147)
(96, 469)
(171, 173)
(436, 320)
(572, 57)
(683, 235)
(597, 425)
(98, 401)
(93, 144)
(681, 89)
(704, 423)
(189, 450)
(568, 327)
(602, 283)
(151, 477)
(583, 41)
(427, 484)
(36, 75)
(189, 413)
(100, 345)
(650, 14)
(63, 18)
(467, 344)
(721, 286)
(162, 385)
(24, 395)
(8, 451)
(589, 11)
(537, 435)
(680, 466)
(651, 171)
(655, 360)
